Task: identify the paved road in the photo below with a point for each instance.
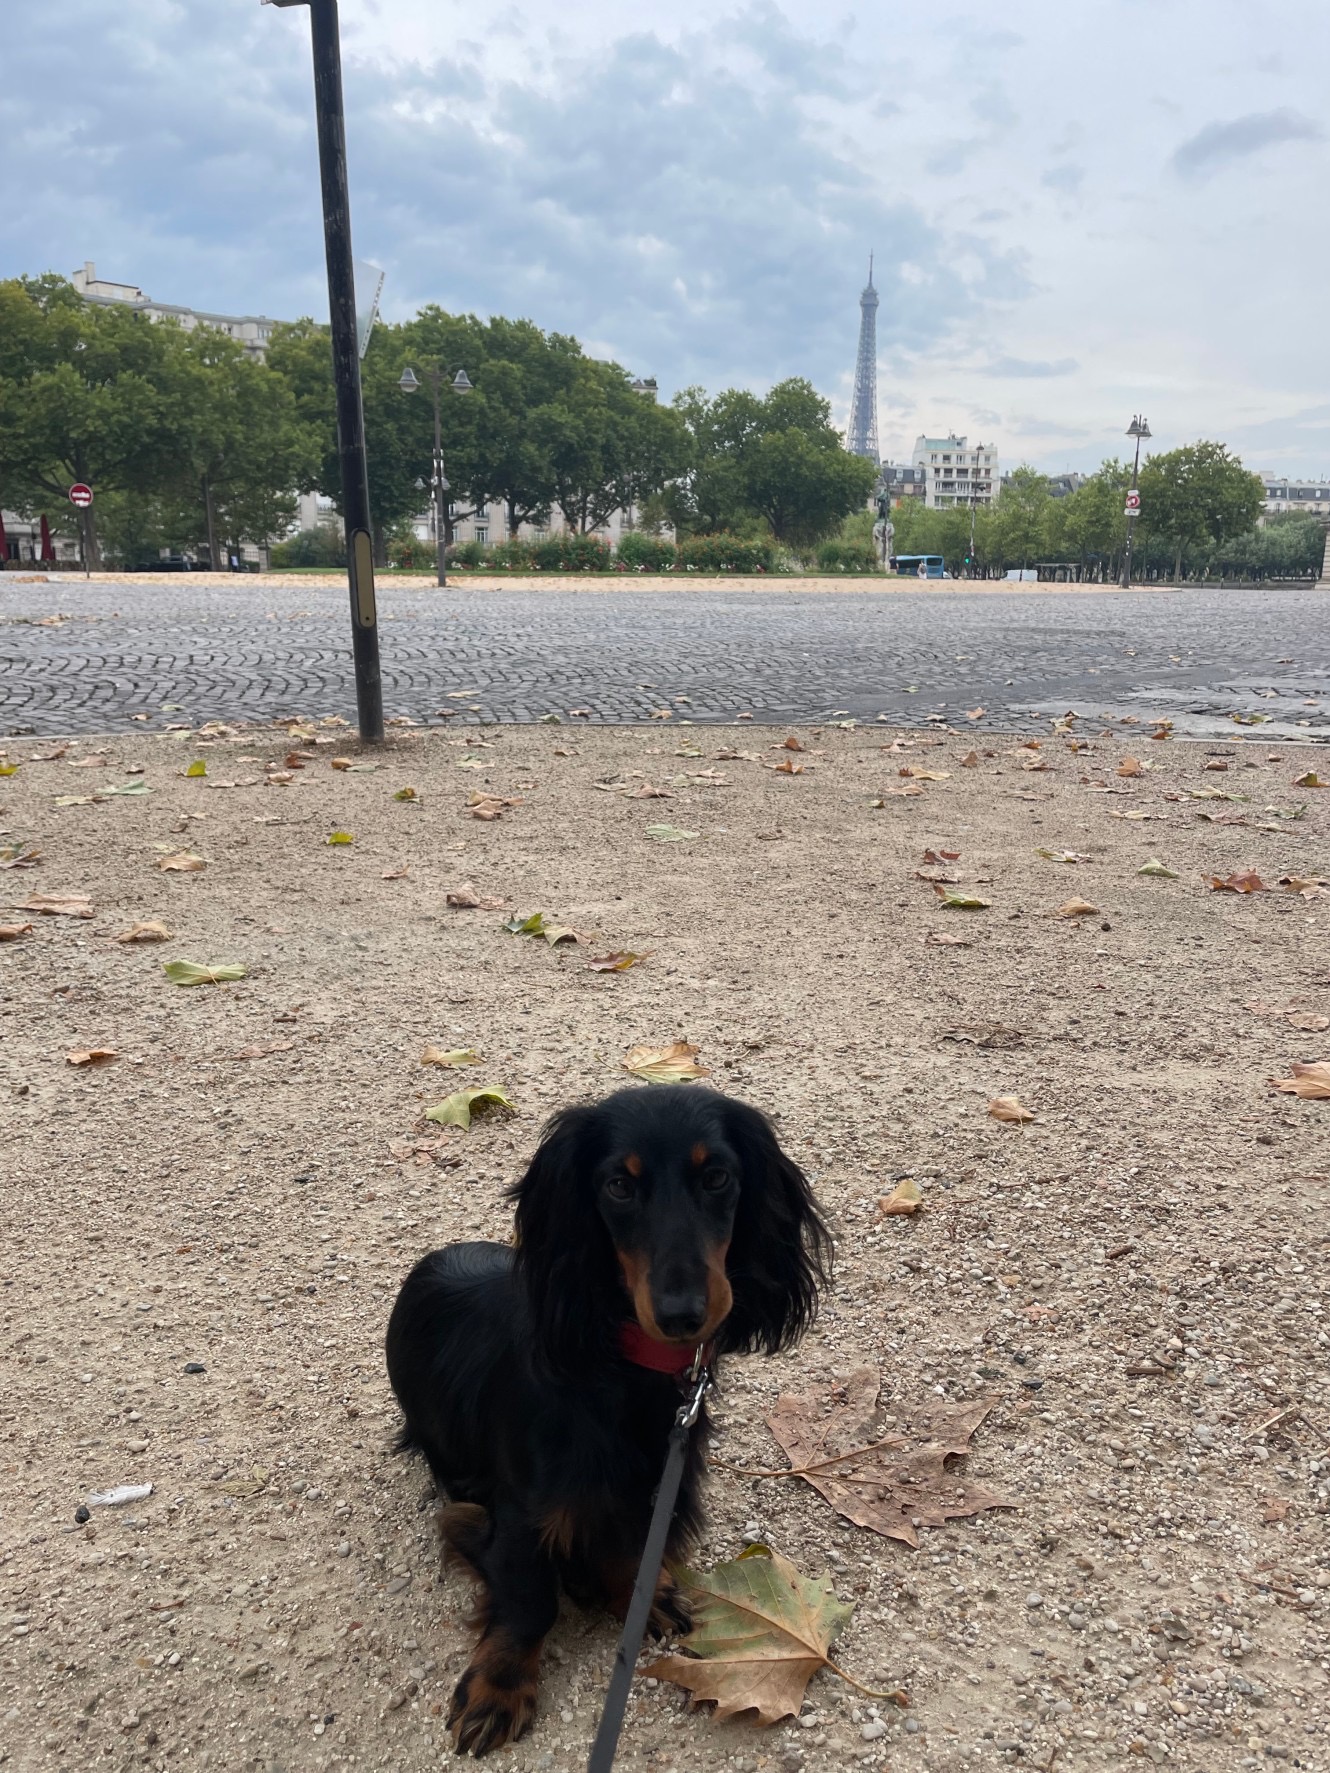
(244, 650)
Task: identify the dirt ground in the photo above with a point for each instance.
(204, 1234)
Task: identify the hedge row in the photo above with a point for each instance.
(572, 553)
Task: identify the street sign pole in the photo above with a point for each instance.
(346, 361)
(80, 497)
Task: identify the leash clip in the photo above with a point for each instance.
(699, 1377)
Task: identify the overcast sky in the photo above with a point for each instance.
(1079, 210)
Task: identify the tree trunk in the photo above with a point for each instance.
(1177, 567)
(213, 560)
(92, 554)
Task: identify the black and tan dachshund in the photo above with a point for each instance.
(541, 1382)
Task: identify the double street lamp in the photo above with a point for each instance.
(1139, 430)
(460, 384)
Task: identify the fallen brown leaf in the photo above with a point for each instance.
(793, 744)
(935, 858)
(466, 898)
(907, 791)
(761, 1630)
(1274, 1509)
(183, 862)
(1076, 908)
(672, 1064)
(10, 932)
(906, 1197)
(20, 855)
(911, 769)
(788, 768)
(883, 1482)
(940, 939)
(58, 904)
(1008, 1108)
(647, 791)
(1311, 1082)
(92, 1056)
(1248, 881)
(970, 761)
(617, 962)
(974, 713)
(402, 873)
(145, 932)
(1131, 766)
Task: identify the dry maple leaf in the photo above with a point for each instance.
(935, 858)
(1311, 1082)
(10, 932)
(1076, 908)
(793, 744)
(648, 791)
(788, 768)
(433, 1055)
(58, 904)
(911, 769)
(1248, 881)
(183, 862)
(970, 761)
(466, 898)
(974, 713)
(1008, 1108)
(761, 1631)
(675, 1063)
(1131, 766)
(1274, 1509)
(940, 939)
(891, 1484)
(92, 1056)
(145, 932)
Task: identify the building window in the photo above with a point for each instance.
(482, 510)
(482, 532)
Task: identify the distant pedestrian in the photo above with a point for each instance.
(923, 570)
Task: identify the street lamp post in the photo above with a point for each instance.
(460, 384)
(331, 122)
(1140, 430)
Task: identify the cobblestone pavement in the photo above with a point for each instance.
(78, 658)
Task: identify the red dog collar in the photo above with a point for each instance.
(657, 1357)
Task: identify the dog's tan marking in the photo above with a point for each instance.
(633, 1164)
(699, 1154)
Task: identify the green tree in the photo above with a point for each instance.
(1022, 513)
(1090, 525)
(778, 459)
(1195, 496)
(86, 393)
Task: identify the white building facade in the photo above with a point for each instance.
(250, 330)
(1310, 497)
(956, 472)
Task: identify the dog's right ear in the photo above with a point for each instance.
(564, 1255)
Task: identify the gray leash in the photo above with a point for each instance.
(644, 1590)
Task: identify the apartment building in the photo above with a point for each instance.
(250, 330)
(1311, 497)
(956, 472)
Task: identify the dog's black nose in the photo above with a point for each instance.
(682, 1314)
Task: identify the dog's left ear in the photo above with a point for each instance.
(780, 1249)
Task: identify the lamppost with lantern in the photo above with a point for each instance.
(460, 384)
(1140, 430)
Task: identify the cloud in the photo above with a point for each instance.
(1031, 369)
(1068, 179)
(186, 136)
(1218, 143)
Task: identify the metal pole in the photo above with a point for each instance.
(440, 526)
(346, 366)
(1131, 521)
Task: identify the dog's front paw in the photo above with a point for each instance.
(670, 1615)
(493, 1703)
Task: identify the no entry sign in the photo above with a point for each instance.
(1132, 507)
(80, 495)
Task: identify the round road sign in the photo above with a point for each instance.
(80, 495)
(1133, 502)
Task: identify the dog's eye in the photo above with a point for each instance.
(619, 1188)
(714, 1181)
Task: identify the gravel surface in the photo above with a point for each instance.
(205, 1233)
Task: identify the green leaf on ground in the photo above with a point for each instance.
(959, 901)
(1156, 868)
(456, 1056)
(456, 1110)
(197, 768)
(406, 794)
(189, 972)
(670, 833)
(534, 925)
(340, 837)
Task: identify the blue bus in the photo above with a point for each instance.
(908, 566)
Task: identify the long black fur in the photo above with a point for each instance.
(510, 1377)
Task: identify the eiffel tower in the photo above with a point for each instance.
(861, 434)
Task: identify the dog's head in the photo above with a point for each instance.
(673, 1205)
